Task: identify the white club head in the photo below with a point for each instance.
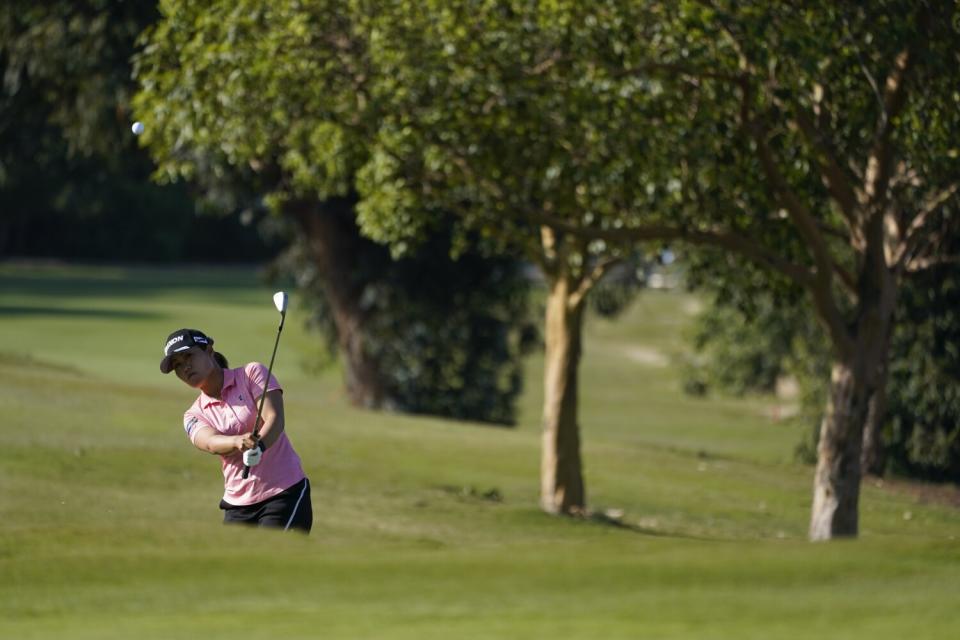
(280, 301)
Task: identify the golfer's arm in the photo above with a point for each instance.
(207, 439)
(272, 417)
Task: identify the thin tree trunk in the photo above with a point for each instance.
(333, 241)
(562, 486)
(872, 458)
(836, 491)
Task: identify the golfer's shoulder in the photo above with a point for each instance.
(195, 408)
(256, 372)
(253, 370)
(194, 417)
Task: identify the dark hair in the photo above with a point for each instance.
(221, 360)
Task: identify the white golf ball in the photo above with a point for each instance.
(137, 128)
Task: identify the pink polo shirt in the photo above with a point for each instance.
(234, 414)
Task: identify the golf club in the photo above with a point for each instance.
(280, 302)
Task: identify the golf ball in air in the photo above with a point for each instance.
(137, 128)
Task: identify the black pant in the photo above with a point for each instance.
(289, 509)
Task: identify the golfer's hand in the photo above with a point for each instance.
(245, 442)
(251, 457)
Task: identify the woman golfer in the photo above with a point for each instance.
(221, 421)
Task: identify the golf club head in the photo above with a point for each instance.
(280, 302)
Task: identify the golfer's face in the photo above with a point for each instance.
(193, 366)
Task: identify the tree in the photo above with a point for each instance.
(269, 105)
(69, 168)
(506, 114)
(830, 161)
(750, 335)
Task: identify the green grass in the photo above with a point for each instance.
(109, 526)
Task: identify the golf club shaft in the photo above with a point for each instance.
(263, 396)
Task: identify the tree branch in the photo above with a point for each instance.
(911, 237)
(547, 257)
(831, 172)
(586, 284)
(877, 176)
(922, 264)
(820, 284)
(846, 279)
(721, 238)
(834, 232)
(869, 76)
(798, 213)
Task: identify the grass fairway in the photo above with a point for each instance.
(424, 528)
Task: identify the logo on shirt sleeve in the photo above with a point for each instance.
(189, 424)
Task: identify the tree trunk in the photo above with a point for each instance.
(334, 244)
(855, 385)
(836, 491)
(561, 486)
(872, 458)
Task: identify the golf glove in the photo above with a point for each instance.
(251, 457)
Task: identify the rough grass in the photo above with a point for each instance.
(424, 528)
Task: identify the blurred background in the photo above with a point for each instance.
(601, 312)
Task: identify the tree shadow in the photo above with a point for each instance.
(616, 521)
(30, 310)
(116, 282)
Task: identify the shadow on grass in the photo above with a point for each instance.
(121, 314)
(608, 518)
(26, 361)
(72, 282)
(471, 493)
(616, 521)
